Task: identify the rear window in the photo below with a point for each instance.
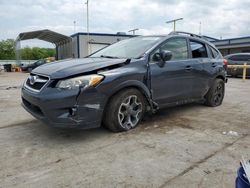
(240, 58)
(198, 49)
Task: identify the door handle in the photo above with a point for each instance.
(188, 68)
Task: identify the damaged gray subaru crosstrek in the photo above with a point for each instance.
(118, 84)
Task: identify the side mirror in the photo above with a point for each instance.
(166, 55)
(163, 56)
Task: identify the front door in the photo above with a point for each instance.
(172, 83)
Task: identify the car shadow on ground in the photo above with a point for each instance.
(165, 118)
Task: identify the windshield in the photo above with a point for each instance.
(130, 48)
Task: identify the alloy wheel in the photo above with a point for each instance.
(218, 94)
(130, 112)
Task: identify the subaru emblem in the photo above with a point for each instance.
(32, 79)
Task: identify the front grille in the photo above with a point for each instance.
(36, 82)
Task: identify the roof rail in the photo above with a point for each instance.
(185, 33)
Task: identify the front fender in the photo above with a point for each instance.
(141, 87)
(132, 83)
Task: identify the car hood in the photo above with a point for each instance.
(70, 67)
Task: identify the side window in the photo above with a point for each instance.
(233, 58)
(240, 58)
(39, 62)
(198, 49)
(216, 53)
(213, 52)
(178, 47)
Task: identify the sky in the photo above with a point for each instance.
(215, 18)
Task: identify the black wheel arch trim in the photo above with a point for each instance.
(221, 76)
(138, 85)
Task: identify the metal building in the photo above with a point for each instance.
(81, 47)
(49, 36)
(74, 46)
(234, 45)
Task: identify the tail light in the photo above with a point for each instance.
(225, 63)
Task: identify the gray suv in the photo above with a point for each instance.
(238, 59)
(117, 85)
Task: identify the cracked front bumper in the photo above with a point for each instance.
(67, 108)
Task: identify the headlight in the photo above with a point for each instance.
(74, 83)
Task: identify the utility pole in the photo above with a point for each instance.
(174, 21)
(200, 29)
(133, 30)
(74, 26)
(87, 3)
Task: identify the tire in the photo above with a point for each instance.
(125, 110)
(215, 95)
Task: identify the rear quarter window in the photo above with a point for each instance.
(214, 53)
(198, 49)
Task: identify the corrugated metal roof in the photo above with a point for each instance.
(103, 34)
(46, 35)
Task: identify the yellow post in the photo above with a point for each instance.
(244, 71)
(174, 25)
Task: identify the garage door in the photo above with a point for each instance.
(95, 47)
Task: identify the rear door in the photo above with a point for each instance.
(200, 61)
(172, 82)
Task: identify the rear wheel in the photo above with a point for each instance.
(125, 110)
(215, 95)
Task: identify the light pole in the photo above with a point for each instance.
(200, 29)
(87, 3)
(74, 26)
(133, 30)
(174, 21)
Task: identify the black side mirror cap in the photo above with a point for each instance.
(162, 57)
(156, 57)
(166, 55)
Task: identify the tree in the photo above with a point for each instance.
(7, 51)
(26, 53)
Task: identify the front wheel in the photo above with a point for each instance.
(125, 110)
(215, 95)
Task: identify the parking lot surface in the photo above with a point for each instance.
(185, 146)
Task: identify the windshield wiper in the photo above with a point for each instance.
(107, 56)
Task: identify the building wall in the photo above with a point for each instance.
(78, 48)
(227, 51)
(64, 50)
(74, 47)
(96, 42)
(234, 45)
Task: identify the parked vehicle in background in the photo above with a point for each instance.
(118, 84)
(30, 67)
(238, 59)
(1, 68)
